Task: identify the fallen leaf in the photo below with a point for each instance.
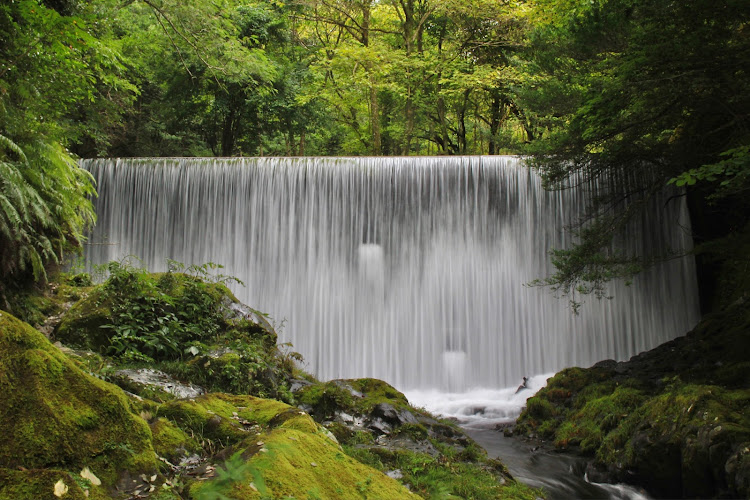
(87, 474)
(60, 488)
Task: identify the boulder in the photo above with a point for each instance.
(54, 415)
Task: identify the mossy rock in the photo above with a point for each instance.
(35, 303)
(672, 420)
(162, 320)
(82, 326)
(254, 368)
(40, 484)
(355, 396)
(55, 415)
(171, 442)
(297, 461)
(446, 476)
(222, 418)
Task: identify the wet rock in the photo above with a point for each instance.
(380, 426)
(222, 351)
(160, 380)
(346, 386)
(395, 474)
(236, 311)
(738, 469)
(296, 384)
(393, 416)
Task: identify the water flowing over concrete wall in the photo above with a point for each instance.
(411, 270)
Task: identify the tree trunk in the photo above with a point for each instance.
(494, 123)
(408, 7)
(462, 123)
(375, 118)
(227, 133)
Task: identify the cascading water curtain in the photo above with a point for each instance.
(412, 270)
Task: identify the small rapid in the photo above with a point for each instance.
(483, 412)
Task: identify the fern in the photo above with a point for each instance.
(44, 207)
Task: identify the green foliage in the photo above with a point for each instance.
(326, 398)
(57, 79)
(152, 316)
(732, 173)
(444, 477)
(186, 325)
(629, 95)
(235, 470)
(43, 208)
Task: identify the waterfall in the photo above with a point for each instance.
(411, 270)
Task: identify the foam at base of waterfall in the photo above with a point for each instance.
(480, 408)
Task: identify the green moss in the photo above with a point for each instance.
(171, 442)
(446, 477)
(178, 323)
(191, 306)
(417, 432)
(337, 395)
(53, 413)
(249, 366)
(539, 408)
(376, 391)
(222, 418)
(679, 413)
(677, 437)
(300, 464)
(575, 379)
(588, 426)
(326, 398)
(38, 484)
(35, 304)
(82, 324)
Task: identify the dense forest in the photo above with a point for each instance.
(630, 94)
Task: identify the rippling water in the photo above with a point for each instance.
(479, 411)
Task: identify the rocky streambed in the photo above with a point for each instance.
(674, 420)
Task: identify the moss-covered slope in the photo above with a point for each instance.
(675, 420)
(56, 416)
(375, 424)
(272, 450)
(57, 420)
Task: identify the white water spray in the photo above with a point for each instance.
(411, 270)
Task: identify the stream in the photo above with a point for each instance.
(480, 411)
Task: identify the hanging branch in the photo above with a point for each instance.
(159, 13)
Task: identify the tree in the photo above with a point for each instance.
(51, 66)
(631, 94)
